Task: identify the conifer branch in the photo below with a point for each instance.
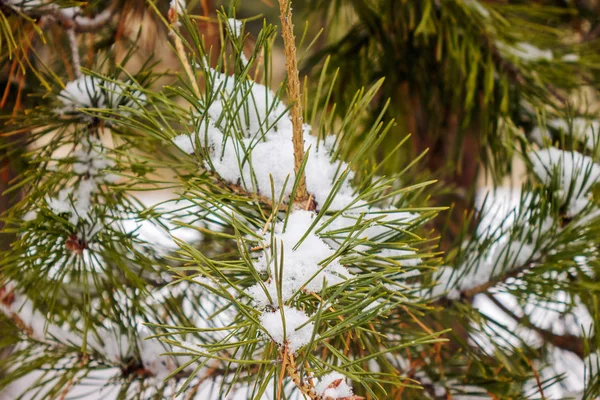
(468, 294)
(566, 341)
(294, 95)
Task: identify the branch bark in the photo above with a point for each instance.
(294, 95)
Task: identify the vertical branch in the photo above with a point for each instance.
(72, 37)
(179, 47)
(289, 366)
(293, 87)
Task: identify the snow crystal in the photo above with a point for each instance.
(525, 51)
(263, 129)
(297, 331)
(576, 174)
(334, 386)
(301, 266)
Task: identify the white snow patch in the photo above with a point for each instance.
(295, 332)
(570, 57)
(524, 51)
(301, 267)
(247, 118)
(235, 26)
(334, 386)
(92, 92)
(575, 174)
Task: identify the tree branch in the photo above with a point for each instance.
(294, 95)
(72, 37)
(567, 341)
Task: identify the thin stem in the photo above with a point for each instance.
(293, 87)
(289, 365)
(180, 48)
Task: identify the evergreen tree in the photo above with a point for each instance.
(175, 225)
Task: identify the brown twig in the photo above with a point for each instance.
(180, 48)
(294, 95)
(567, 341)
(289, 366)
(468, 294)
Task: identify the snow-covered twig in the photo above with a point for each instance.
(69, 17)
(72, 37)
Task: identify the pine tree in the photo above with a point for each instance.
(177, 226)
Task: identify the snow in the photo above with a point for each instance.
(582, 129)
(235, 26)
(592, 366)
(298, 331)
(150, 353)
(570, 58)
(24, 5)
(92, 92)
(178, 6)
(508, 333)
(334, 386)
(185, 143)
(574, 172)
(525, 52)
(90, 164)
(511, 225)
(301, 267)
(70, 12)
(247, 118)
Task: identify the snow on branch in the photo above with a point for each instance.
(573, 174)
(264, 148)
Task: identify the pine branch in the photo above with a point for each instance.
(572, 343)
(294, 95)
